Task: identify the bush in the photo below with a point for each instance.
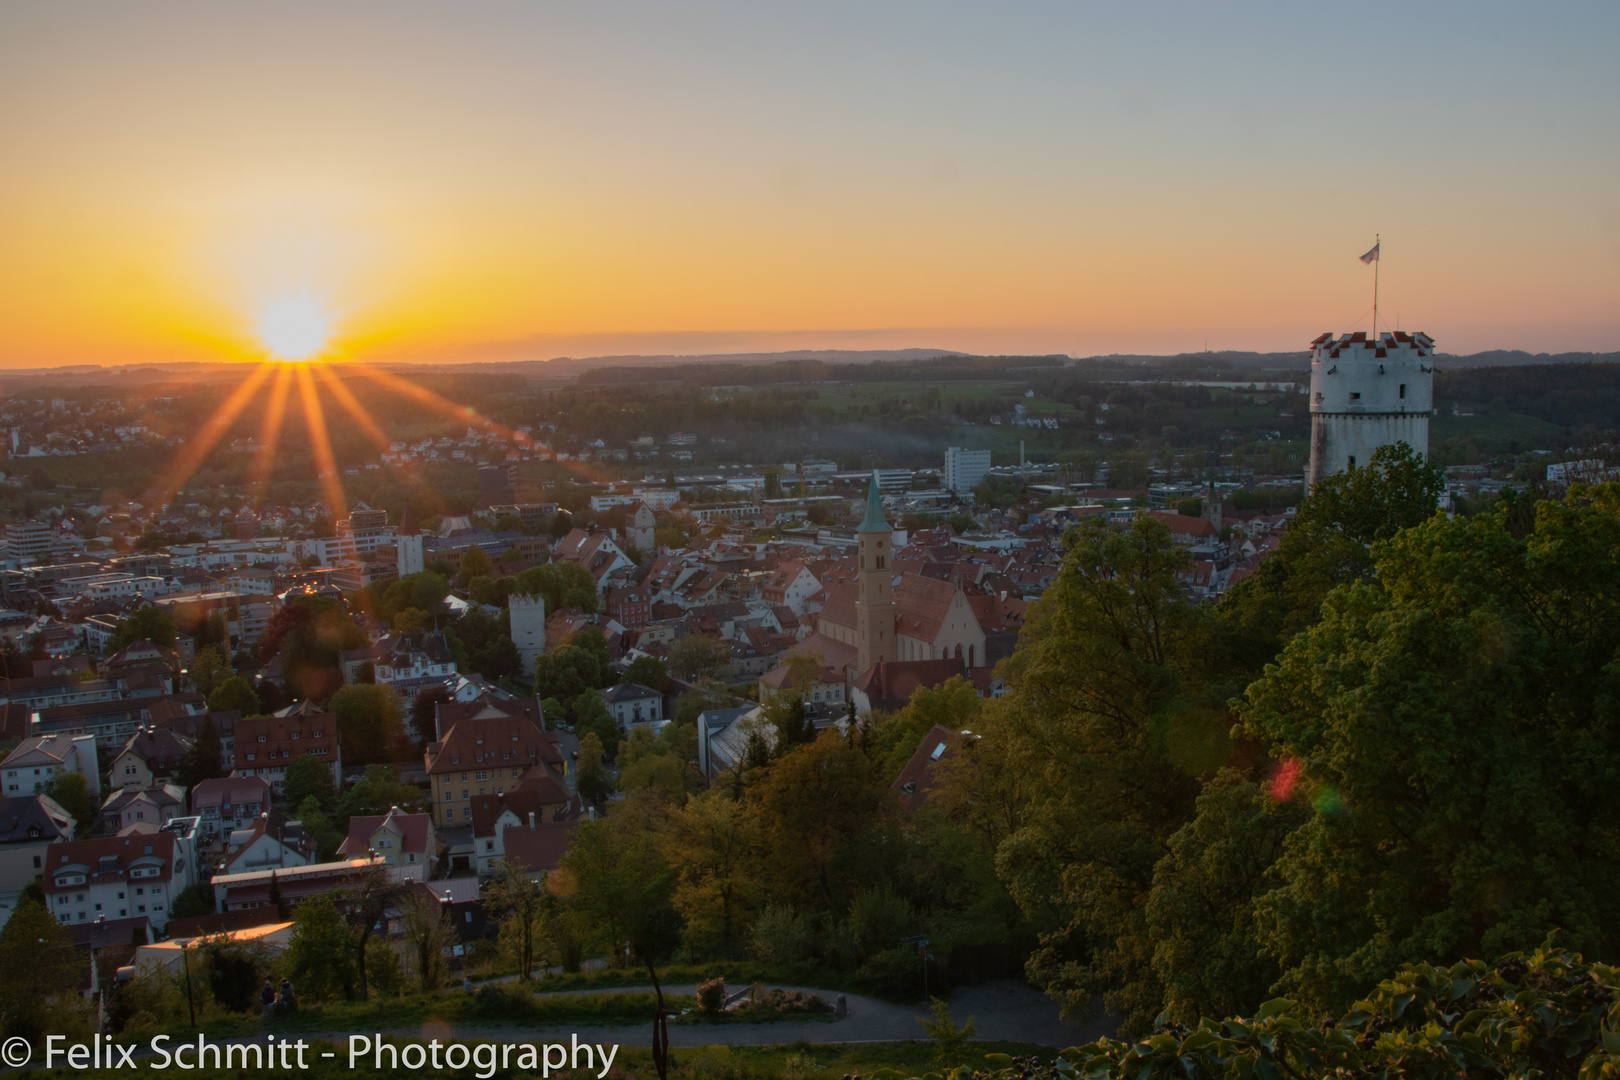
(779, 936)
(711, 997)
(898, 973)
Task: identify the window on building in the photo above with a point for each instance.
(1403, 390)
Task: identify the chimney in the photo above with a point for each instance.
(531, 821)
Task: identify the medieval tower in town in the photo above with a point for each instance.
(528, 623)
(874, 579)
(1368, 392)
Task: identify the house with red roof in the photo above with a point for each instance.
(397, 837)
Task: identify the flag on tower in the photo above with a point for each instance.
(1372, 256)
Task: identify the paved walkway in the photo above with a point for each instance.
(1003, 1011)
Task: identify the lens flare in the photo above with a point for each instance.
(294, 328)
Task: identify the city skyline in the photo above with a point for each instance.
(514, 181)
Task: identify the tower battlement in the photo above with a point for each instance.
(1367, 392)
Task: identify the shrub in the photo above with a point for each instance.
(1545, 1014)
(779, 936)
(898, 973)
(711, 997)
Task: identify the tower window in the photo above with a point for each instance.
(1355, 397)
(1352, 461)
(1403, 391)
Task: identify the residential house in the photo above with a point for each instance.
(269, 840)
(486, 747)
(230, 802)
(540, 798)
(29, 825)
(38, 760)
(398, 838)
(791, 584)
(266, 745)
(151, 754)
(537, 847)
(595, 551)
(251, 888)
(917, 779)
(631, 704)
(116, 877)
(157, 805)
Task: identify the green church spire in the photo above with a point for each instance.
(873, 522)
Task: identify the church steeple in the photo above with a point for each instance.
(874, 521)
(875, 633)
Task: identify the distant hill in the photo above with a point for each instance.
(792, 365)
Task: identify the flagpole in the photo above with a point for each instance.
(1378, 246)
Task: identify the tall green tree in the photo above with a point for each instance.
(309, 777)
(40, 976)
(150, 623)
(236, 694)
(1328, 544)
(695, 657)
(210, 668)
(71, 792)
(370, 721)
(517, 903)
(561, 584)
(1112, 717)
(615, 878)
(320, 953)
(205, 759)
(1455, 727)
(474, 563)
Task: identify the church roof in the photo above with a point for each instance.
(873, 521)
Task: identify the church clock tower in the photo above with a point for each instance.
(874, 606)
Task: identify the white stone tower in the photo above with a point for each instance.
(1366, 393)
(408, 543)
(639, 531)
(528, 618)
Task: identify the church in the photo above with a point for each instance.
(888, 618)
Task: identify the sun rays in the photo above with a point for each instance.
(269, 387)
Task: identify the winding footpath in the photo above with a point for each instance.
(1003, 1011)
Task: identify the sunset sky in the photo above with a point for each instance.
(525, 180)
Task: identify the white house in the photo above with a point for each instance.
(36, 761)
(632, 703)
(116, 877)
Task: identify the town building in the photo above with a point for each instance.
(397, 838)
(266, 745)
(631, 703)
(229, 802)
(38, 760)
(151, 754)
(155, 805)
(29, 825)
(965, 470)
(116, 877)
(486, 747)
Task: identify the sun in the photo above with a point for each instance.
(294, 328)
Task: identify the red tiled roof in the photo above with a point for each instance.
(540, 848)
(915, 780)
